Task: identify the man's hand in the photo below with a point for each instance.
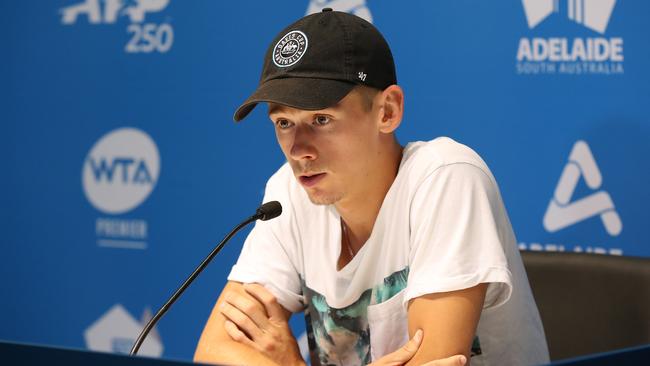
(257, 320)
(406, 352)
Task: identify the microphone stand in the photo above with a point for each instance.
(266, 212)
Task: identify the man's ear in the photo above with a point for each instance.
(391, 101)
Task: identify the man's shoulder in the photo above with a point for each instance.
(426, 157)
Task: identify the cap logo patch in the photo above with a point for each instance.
(290, 49)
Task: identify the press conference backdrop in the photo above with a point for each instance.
(122, 168)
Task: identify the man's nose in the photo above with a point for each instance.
(303, 144)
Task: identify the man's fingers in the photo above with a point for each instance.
(238, 336)
(250, 306)
(266, 298)
(406, 352)
(458, 360)
(414, 343)
(241, 320)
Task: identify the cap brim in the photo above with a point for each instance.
(301, 93)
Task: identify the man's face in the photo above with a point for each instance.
(332, 151)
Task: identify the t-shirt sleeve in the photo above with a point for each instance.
(456, 238)
(268, 255)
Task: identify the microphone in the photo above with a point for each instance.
(267, 211)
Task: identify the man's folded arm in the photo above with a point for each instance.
(216, 346)
(449, 321)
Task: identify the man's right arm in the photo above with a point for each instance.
(216, 346)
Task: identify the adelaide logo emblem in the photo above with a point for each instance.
(290, 49)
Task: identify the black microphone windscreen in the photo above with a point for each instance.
(269, 210)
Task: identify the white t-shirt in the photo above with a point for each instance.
(442, 227)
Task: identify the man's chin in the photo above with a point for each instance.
(323, 199)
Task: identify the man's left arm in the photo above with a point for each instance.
(456, 253)
(448, 321)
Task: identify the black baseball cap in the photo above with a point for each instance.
(316, 61)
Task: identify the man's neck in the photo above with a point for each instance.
(360, 211)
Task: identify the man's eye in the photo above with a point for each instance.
(283, 123)
(322, 120)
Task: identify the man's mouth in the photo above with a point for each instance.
(309, 180)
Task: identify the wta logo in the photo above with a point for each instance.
(562, 212)
(121, 171)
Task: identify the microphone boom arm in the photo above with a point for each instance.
(266, 212)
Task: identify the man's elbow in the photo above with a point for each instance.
(211, 352)
(227, 351)
(203, 355)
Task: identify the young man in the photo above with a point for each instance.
(377, 242)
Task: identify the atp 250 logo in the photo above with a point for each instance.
(145, 37)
